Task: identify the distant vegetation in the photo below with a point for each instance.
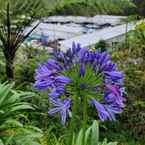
(140, 6)
(93, 7)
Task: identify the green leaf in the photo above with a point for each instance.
(11, 123)
(95, 133)
(21, 106)
(87, 134)
(80, 138)
(1, 142)
(2, 112)
(4, 90)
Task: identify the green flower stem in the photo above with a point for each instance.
(73, 120)
(85, 118)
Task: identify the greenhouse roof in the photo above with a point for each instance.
(68, 29)
(87, 40)
(98, 19)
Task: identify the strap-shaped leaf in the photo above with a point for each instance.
(1, 142)
(95, 133)
(4, 90)
(80, 138)
(87, 135)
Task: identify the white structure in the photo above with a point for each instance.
(62, 31)
(98, 19)
(106, 34)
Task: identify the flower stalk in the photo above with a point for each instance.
(73, 120)
(85, 117)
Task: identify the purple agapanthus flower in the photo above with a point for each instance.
(61, 107)
(92, 73)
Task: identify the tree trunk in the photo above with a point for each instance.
(9, 70)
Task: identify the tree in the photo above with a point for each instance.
(15, 17)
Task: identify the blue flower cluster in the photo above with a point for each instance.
(91, 73)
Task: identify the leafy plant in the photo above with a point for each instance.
(10, 103)
(91, 136)
(28, 135)
(11, 108)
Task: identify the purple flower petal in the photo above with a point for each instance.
(61, 107)
(102, 113)
(82, 70)
(62, 79)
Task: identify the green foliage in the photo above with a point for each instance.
(131, 59)
(101, 45)
(15, 16)
(27, 59)
(12, 131)
(134, 58)
(140, 4)
(2, 67)
(28, 135)
(91, 136)
(10, 104)
(93, 7)
(136, 40)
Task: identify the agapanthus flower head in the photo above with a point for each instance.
(90, 74)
